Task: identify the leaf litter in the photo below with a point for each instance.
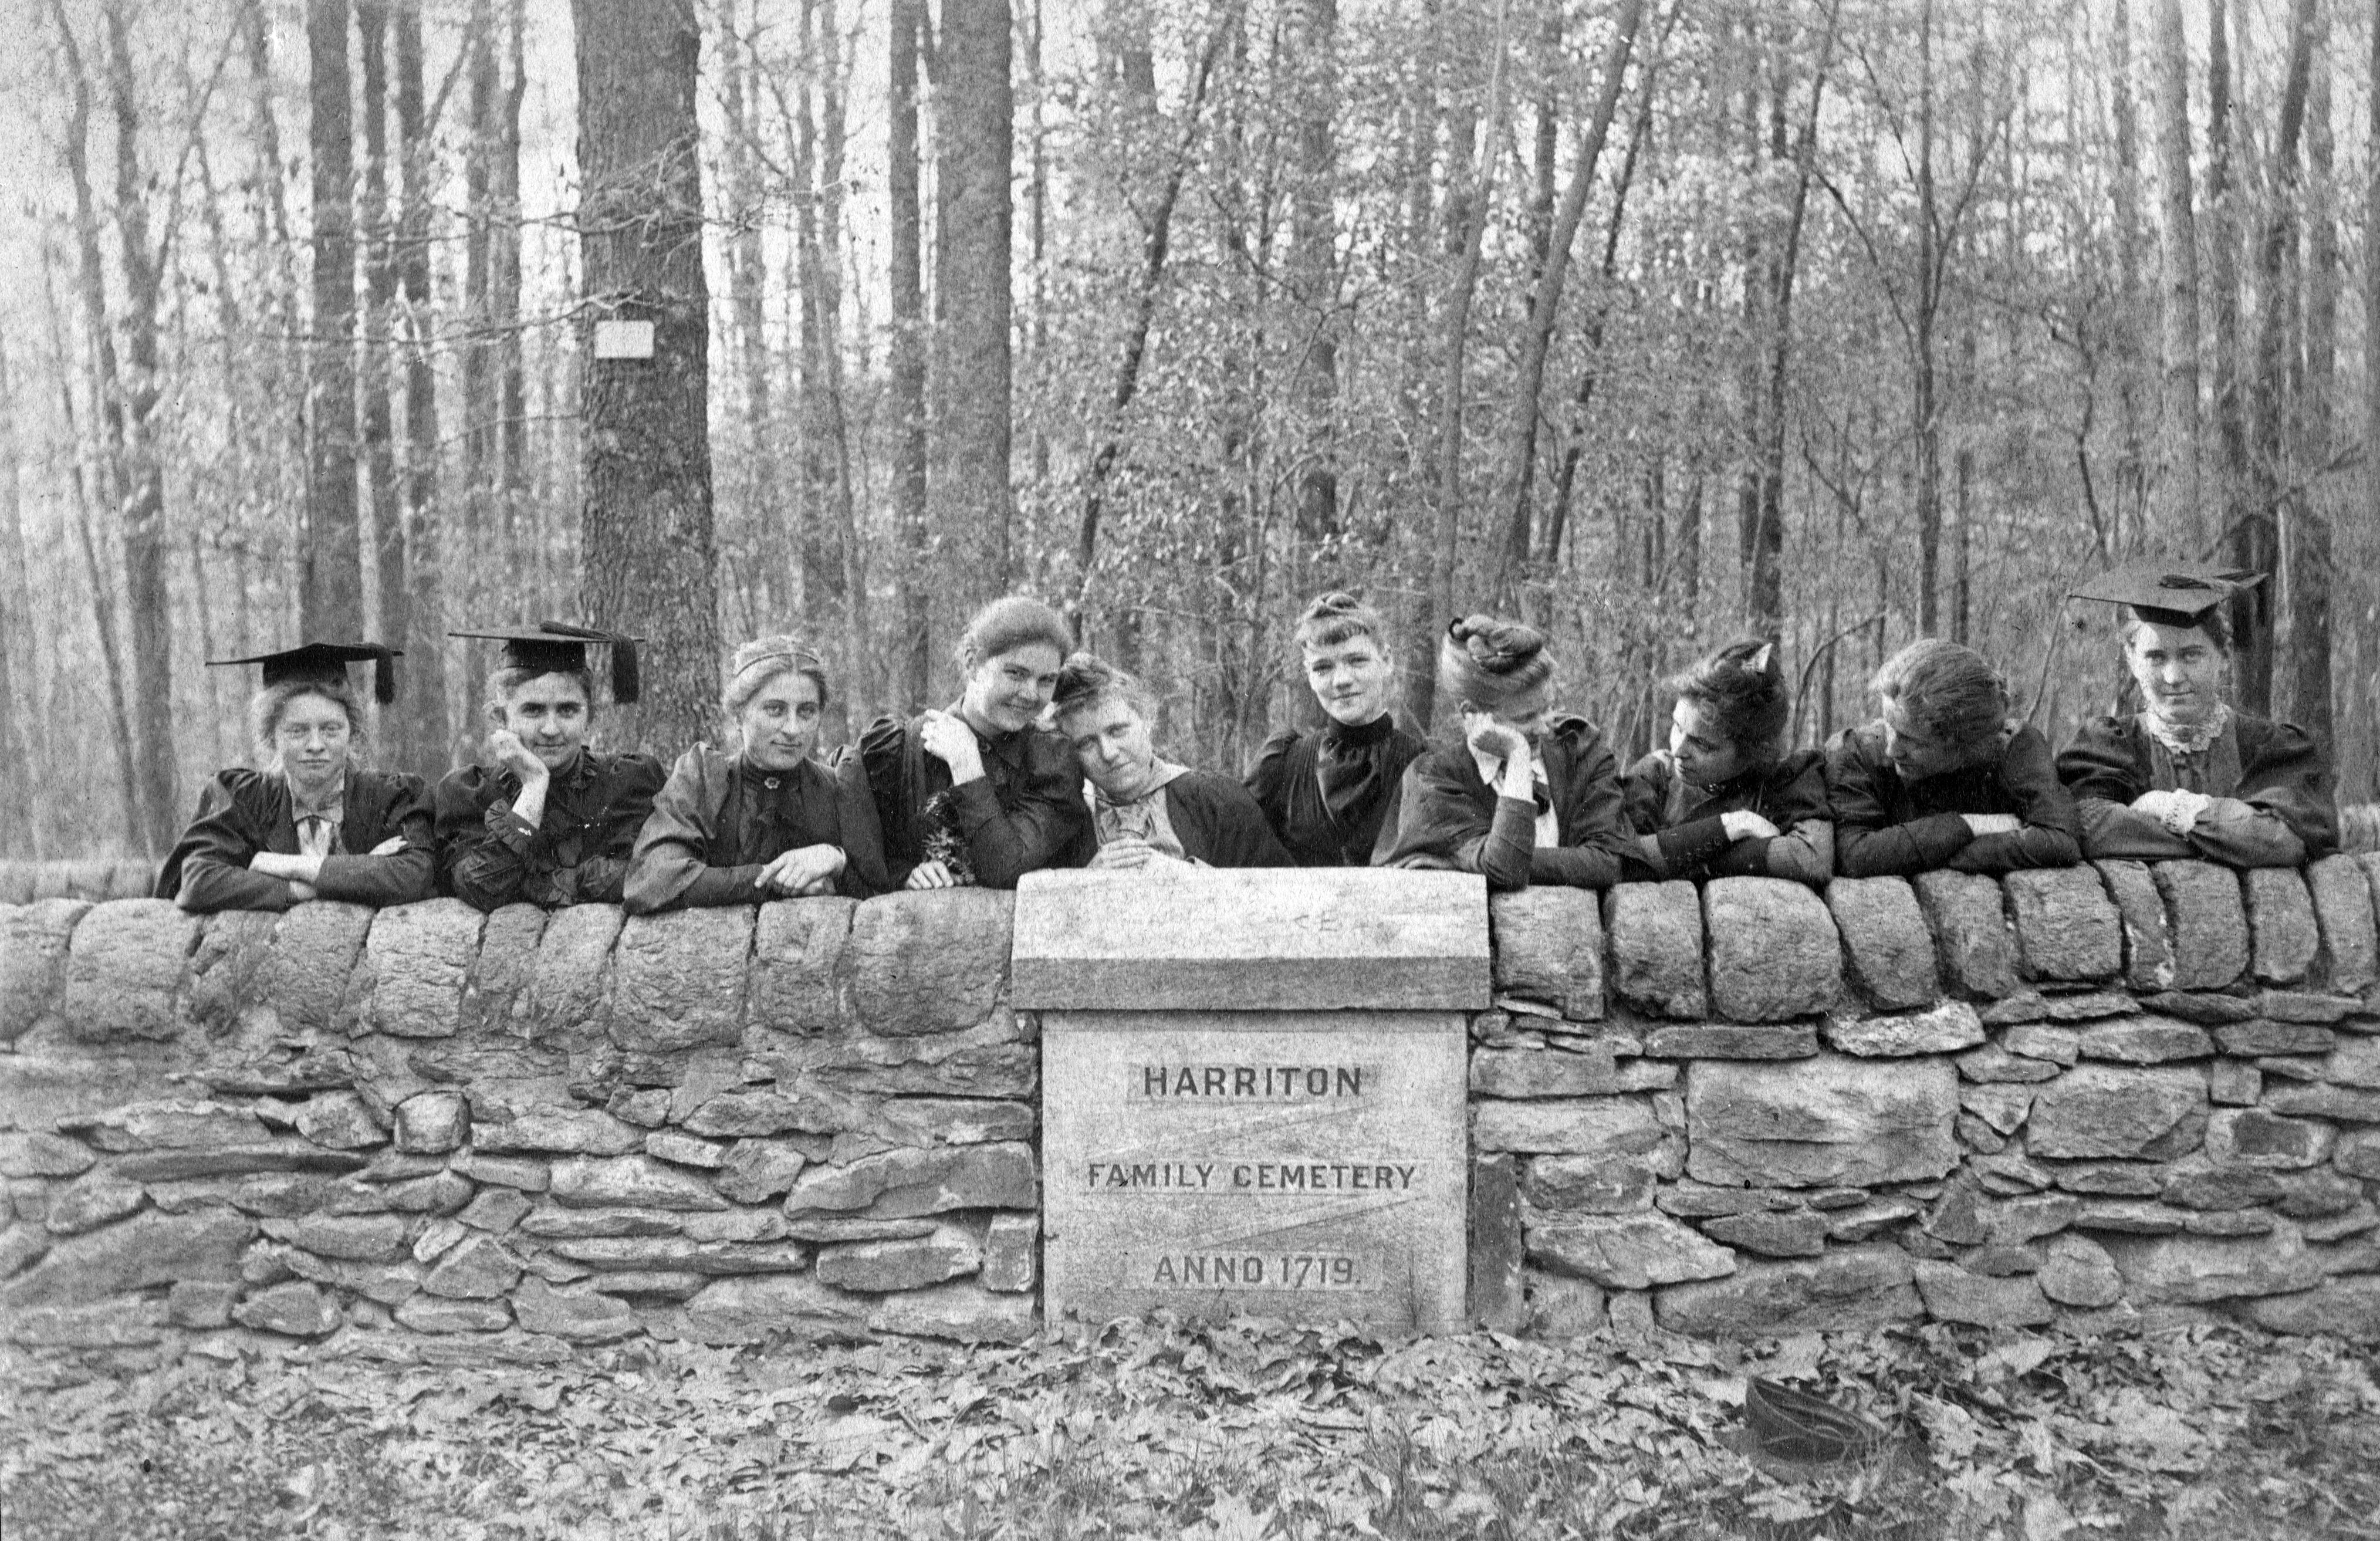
(1239, 1431)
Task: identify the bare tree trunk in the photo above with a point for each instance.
(2223, 248)
(908, 360)
(1521, 457)
(2306, 507)
(2256, 543)
(974, 109)
(380, 290)
(821, 560)
(2132, 469)
(484, 528)
(1314, 268)
(23, 725)
(1926, 411)
(1468, 213)
(431, 732)
(747, 279)
(646, 522)
(143, 487)
(330, 595)
(2183, 514)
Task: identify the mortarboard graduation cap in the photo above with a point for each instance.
(326, 663)
(2169, 594)
(558, 647)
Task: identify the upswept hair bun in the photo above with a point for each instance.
(762, 660)
(1338, 617)
(1949, 691)
(1008, 624)
(1743, 687)
(1488, 661)
(1086, 680)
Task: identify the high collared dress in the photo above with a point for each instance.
(576, 854)
(721, 819)
(243, 812)
(2270, 781)
(1024, 813)
(1331, 796)
(1884, 825)
(1680, 831)
(1571, 835)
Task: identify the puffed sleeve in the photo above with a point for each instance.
(1867, 844)
(402, 877)
(1234, 827)
(1656, 850)
(1268, 779)
(666, 865)
(2287, 775)
(602, 876)
(2050, 835)
(2101, 763)
(208, 869)
(1598, 840)
(1035, 825)
(1439, 823)
(866, 873)
(482, 845)
(1803, 847)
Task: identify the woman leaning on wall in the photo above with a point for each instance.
(548, 819)
(980, 792)
(1328, 793)
(1527, 795)
(1727, 799)
(313, 823)
(771, 821)
(2187, 775)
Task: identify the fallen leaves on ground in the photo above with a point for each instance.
(1238, 1432)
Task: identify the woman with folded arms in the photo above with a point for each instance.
(313, 823)
(770, 821)
(1944, 776)
(1330, 793)
(2187, 775)
(1527, 795)
(550, 819)
(1727, 799)
(979, 791)
(1147, 812)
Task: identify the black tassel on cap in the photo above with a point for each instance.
(384, 676)
(627, 682)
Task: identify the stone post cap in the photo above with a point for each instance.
(1284, 939)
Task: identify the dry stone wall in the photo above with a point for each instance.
(1746, 1108)
(2084, 1095)
(415, 1127)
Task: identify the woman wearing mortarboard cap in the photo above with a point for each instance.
(770, 821)
(1945, 776)
(1727, 799)
(312, 823)
(1528, 795)
(549, 820)
(2187, 775)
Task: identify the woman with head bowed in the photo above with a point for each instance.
(770, 821)
(1727, 799)
(1945, 777)
(313, 823)
(1329, 794)
(1527, 795)
(978, 792)
(1147, 812)
(2187, 775)
(549, 819)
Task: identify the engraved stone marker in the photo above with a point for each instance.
(1207, 1150)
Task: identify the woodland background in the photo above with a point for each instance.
(1661, 320)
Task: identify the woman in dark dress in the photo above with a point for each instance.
(1331, 796)
(548, 820)
(1527, 795)
(769, 821)
(1945, 777)
(1726, 798)
(1147, 812)
(978, 792)
(313, 823)
(2187, 775)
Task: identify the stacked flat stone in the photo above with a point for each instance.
(2080, 1095)
(404, 1130)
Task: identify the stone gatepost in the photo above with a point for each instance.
(1253, 1089)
